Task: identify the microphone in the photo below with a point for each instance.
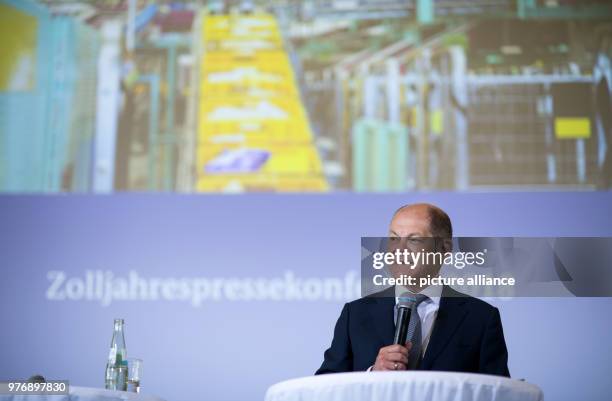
(404, 309)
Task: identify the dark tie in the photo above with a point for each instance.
(414, 328)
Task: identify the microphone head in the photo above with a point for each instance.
(406, 301)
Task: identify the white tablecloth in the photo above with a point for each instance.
(397, 386)
(84, 394)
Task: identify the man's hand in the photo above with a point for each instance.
(392, 357)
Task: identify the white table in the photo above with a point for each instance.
(397, 386)
(84, 394)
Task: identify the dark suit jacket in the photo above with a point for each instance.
(467, 336)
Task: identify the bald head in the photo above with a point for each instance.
(421, 220)
(421, 227)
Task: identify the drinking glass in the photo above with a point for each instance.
(134, 375)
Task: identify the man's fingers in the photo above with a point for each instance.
(395, 348)
(393, 357)
(396, 357)
(394, 365)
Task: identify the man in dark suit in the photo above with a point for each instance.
(451, 331)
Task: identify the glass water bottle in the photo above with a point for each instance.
(116, 368)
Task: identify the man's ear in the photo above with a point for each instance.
(447, 245)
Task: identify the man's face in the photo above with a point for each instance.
(410, 229)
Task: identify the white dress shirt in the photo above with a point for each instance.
(427, 310)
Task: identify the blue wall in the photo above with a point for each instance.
(233, 350)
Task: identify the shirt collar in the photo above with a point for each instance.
(433, 292)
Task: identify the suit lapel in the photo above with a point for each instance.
(450, 315)
(379, 319)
